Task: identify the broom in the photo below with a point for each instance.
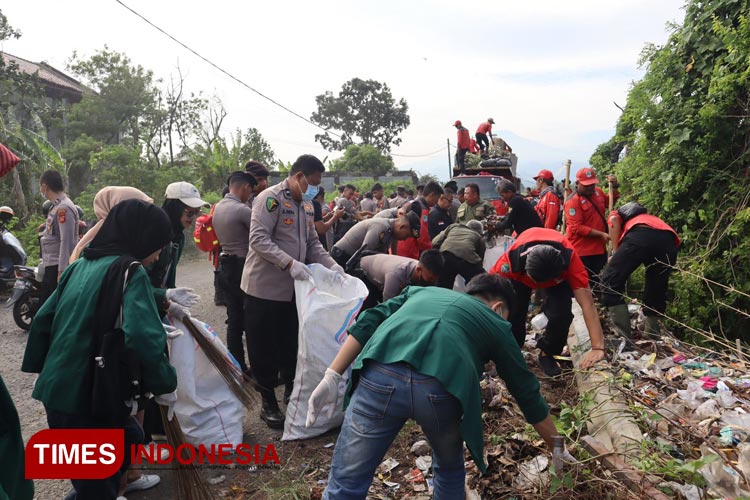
(229, 372)
(189, 484)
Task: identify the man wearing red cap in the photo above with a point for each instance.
(463, 143)
(485, 129)
(587, 223)
(548, 206)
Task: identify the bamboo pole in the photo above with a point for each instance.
(566, 186)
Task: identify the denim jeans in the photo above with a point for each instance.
(385, 397)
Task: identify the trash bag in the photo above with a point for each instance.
(208, 411)
(326, 307)
(494, 252)
(495, 162)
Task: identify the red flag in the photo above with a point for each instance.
(7, 160)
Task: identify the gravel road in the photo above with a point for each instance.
(197, 274)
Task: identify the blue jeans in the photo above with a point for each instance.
(386, 396)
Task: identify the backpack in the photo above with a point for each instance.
(204, 234)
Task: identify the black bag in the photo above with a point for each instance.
(116, 372)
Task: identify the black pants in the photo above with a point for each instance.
(230, 276)
(557, 303)
(49, 283)
(594, 265)
(483, 142)
(461, 160)
(271, 328)
(653, 248)
(99, 489)
(455, 266)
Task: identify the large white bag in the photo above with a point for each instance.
(326, 307)
(208, 411)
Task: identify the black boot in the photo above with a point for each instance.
(269, 412)
(288, 392)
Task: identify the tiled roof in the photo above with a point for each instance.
(47, 74)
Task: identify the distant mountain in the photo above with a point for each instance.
(532, 156)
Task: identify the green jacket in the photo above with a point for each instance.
(478, 211)
(13, 486)
(463, 242)
(60, 344)
(163, 272)
(450, 336)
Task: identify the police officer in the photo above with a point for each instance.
(548, 205)
(473, 206)
(231, 222)
(543, 258)
(282, 238)
(377, 234)
(521, 215)
(639, 238)
(61, 232)
(586, 223)
(462, 247)
(387, 275)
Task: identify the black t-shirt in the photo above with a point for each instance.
(438, 220)
(521, 215)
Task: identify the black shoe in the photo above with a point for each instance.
(287, 393)
(270, 414)
(548, 365)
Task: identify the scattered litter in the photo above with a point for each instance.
(532, 474)
(387, 465)
(689, 491)
(216, 480)
(424, 463)
(419, 487)
(391, 484)
(329, 445)
(421, 447)
(414, 476)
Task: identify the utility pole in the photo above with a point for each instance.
(450, 167)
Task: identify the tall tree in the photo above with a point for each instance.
(363, 113)
(682, 148)
(364, 159)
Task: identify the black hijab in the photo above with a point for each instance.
(174, 209)
(133, 228)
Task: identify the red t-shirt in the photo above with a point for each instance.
(508, 265)
(484, 128)
(473, 148)
(464, 140)
(413, 247)
(584, 214)
(651, 221)
(548, 208)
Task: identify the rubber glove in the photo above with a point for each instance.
(167, 400)
(172, 331)
(338, 269)
(327, 393)
(299, 271)
(184, 296)
(177, 311)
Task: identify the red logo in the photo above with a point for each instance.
(74, 453)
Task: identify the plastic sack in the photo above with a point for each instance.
(326, 306)
(208, 411)
(494, 252)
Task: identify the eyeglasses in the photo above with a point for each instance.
(192, 213)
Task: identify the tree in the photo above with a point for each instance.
(364, 159)
(682, 148)
(363, 113)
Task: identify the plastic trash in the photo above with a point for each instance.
(724, 395)
(532, 474)
(707, 409)
(421, 447)
(726, 436)
(539, 322)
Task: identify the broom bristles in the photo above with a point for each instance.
(189, 484)
(233, 376)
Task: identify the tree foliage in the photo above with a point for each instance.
(681, 149)
(363, 113)
(363, 159)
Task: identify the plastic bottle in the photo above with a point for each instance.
(558, 449)
(539, 321)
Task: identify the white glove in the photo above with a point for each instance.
(167, 400)
(299, 271)
(338, 269)
(177, 311)
(186, 297)
(172, 331)
(327, 393)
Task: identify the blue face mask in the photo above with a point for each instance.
(312, 192)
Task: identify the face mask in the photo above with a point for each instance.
(312, 192)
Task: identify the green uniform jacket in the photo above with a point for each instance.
(13, 486)
(163, 273)
(450, 336)
(463, 242)
(478, 211)
(60, 344)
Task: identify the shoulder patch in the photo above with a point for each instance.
(505, 268)
(61, 213)
(572, 211)
(271, 204)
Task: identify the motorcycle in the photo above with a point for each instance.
(26, 295)
(11, 254)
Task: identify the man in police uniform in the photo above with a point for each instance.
(387, 275)
(61, 232)
(377, 234)
(231, 222)
(260, 173)
(282, 238)
(473, 207)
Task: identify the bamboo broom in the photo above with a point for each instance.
(190, 484)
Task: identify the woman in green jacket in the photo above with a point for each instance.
(61, 345)
(420, 356)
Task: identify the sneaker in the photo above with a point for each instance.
(121, 498)
(548, 365)
(163, 453)
(144, 482)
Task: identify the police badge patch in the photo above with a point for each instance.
(271, 204)
(505, 268)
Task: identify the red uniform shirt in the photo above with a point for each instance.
(464, 140)
(484, 128)
(548, 208)
(651, 221)
(473, 148)
(413, 247)
(584, 214)
(508, 265)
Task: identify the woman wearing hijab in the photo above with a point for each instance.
(104, 200)
(62, 341)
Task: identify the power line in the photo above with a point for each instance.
(423, 155)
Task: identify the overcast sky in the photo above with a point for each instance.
(546, 71)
